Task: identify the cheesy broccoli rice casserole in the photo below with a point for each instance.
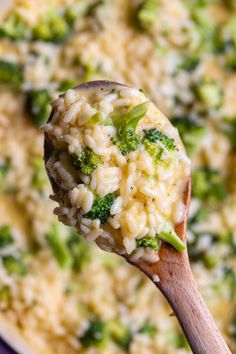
(61, 294)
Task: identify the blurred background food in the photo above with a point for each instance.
(61, 294)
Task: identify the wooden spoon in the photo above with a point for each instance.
(172, 273)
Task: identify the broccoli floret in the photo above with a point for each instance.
(128, 143)
(10, 73)
(126, 139)
(205, 29)
(148, 329)
(230, 59)
(210, 93)
(83, 9)
(5, 294)
(145, 14)
(79, 250)
(168, 235)
(6, 238)
(59, 246)
(13, 28)
(76, 11)
(4, 169)
(190, 132)
(95, 335)
(228, 238)
(154, 150)
(14, 265)
(208, 185)
(228, 127)
(155, 135)
(87, 162)
(37, 105)
(202, 3)
(226, 44)
(201, 215)
(121, 334)
(39, 178)
(66, 85)
(189, 63)
(148, 241)
(198, 254)
(101, 208)
(229, 279)
(52, 29)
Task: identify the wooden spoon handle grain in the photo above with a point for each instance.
(193, 315)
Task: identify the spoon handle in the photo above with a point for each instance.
(193, 315)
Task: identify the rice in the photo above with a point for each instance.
(50, 307)
(129, 180)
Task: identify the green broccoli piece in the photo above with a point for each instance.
(155, 135)
(189, 63)
(13, 28)
(205, 256)
(66, 84)
(95, 335)
(121, 334)
(220, 44)
(6, 238)
(228, 127)
(208, 185)
(154, 150)
(80, 251)
(191, 132)
(4, 169)
(210, 260)
(53, 29)
(148, 241)
(201, 3)
(82, 9)
(145, 14)
(148, 329)
(14, 265)
(201, 215)
(10, 73)
(205, 28)
(210, 93)
(230, 59)
(87, 162)
(39, 178)
(126, 139)
(229, 281)
(168, 235)
(101, 208)
(5, 294)
(59, 246)
(37, 105)
(226, 44)
(76, 11)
